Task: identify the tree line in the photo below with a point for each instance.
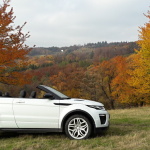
(116, 74)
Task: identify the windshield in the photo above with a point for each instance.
(57, 92)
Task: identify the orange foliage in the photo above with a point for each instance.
(104, 73)
(68, 80)
(121, 91)
(39, 60)
(13, 51)
(140, 66)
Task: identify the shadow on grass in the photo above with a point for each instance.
(123, 129)
(5, 135)
(119, 129)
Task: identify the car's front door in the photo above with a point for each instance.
(36, 113)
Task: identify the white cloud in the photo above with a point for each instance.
(68, 22)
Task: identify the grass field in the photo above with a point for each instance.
(129, 130)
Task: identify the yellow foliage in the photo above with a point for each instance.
(139, 69)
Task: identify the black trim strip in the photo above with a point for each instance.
(63, 104)
(31, 130)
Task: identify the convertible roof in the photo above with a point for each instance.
(43, 88)
(48, 90)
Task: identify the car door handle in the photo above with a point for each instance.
(20, 102)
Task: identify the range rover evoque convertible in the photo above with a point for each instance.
(54, 112)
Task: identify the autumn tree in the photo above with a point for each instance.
(140, 67)
(13, 50)
(131, 84)
(103, 74)
(122, 92)
(68, 80)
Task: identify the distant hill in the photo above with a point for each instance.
(103, 48)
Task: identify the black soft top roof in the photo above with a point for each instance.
(54, 92)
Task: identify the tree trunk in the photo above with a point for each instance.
(112, 103)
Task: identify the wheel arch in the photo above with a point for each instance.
(77, 112)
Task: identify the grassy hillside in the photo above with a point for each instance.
(129, 129)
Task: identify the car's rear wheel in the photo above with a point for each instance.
(78, 127)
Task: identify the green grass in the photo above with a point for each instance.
(129, 130)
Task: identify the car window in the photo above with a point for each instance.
(57, 93)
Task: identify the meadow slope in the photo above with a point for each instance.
(129, 129)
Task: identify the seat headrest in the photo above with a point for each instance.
(33, 94)
(22, 94)
(6, 94)
(1, 93)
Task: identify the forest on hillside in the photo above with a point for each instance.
(102, 48)
(116, 74)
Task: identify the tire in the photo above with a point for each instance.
(78, 127)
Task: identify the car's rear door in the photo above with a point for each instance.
(36, 113)
(7, 119)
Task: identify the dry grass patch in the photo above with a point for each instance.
(129, 129)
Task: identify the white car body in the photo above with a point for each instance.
(48, 115)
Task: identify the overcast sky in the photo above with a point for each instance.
(69, 22)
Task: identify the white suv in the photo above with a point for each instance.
(55, 112)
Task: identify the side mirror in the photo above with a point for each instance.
(49, 96)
